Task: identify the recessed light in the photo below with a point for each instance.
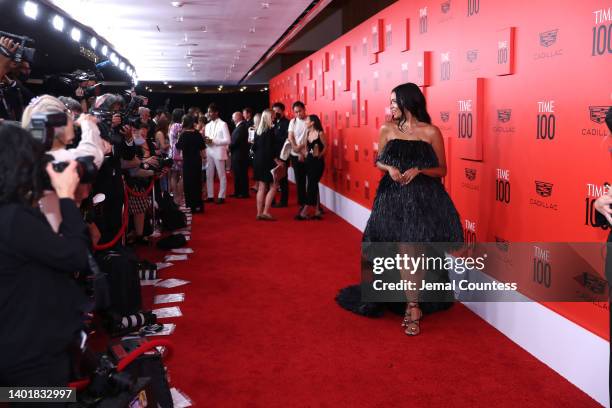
(75, 34)
(252, 30)
(30, 9)
(177, 3)
(93, 42)
(170, 86)
(58, 23)
(165, 82)
(265, 5)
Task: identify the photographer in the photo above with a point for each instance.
(11, 98)
(109, 214)
(42, 306)
(91, 143)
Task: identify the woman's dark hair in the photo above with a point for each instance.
(22, 166)
(213, 107)
(177, 115)
(410, 98)
(279, 105)
(316, 122)
(188, 122)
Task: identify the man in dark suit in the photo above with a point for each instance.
(239, 149)
(281, 127)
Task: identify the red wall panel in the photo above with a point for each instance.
(538, 155)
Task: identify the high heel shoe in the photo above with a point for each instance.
(412, 319)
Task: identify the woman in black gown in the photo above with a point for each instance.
(314, 147)
(191, 143)
(411, 204)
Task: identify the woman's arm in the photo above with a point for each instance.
(382, 142)
(161, 140)
(324, 142)
(437, 142)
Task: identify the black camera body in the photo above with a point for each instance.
(23, 53)
(42, 126)
(86, 168)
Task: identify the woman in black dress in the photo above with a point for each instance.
(264, 161)
(314, 147)
(411, 204)
(191, 144)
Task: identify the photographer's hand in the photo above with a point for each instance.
(66, 182)
(86, 118)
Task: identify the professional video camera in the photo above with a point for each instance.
(23, 53)
(42, 128)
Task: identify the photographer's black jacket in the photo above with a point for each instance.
(40, 303)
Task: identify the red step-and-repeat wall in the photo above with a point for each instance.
(518, 88)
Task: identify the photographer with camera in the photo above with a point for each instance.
(91, 143)
(42, 306)
(13, 95)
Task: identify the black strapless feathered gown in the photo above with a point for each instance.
(421, 211)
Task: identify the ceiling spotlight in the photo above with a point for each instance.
(252, 30)
(177, 4)
(30, 9)
(241, 89)
(75, 34)
(265, 5)
(93, 42)
(170, 86)
(58, 23)
(196, 88)
(221, 86)
(114, 59)
(122, 66)
(165, 82)
(105, 50)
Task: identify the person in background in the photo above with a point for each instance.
(12, 101)
(252, 130)
(264, 161)
(191, 144)
(239, 150)
(195, 112)
(314, 146)
(139, 180)
(281, 127)
(201, 123)
(217, 138)
(176, 172)
(160, 113)
(145, 120)
(163, 144)
(296, 135)
(247, 114)
(42, 305)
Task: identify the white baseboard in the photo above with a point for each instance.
(575, 353)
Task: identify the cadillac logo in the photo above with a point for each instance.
(543, 188)
(548, 38)
(503, 115)
(445, 6)
(470, 174)
(597, 114)
(501, 244)
(444, 116)
(472, 55)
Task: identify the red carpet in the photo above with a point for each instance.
(261, 329)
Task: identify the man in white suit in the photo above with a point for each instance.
(217, 138)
